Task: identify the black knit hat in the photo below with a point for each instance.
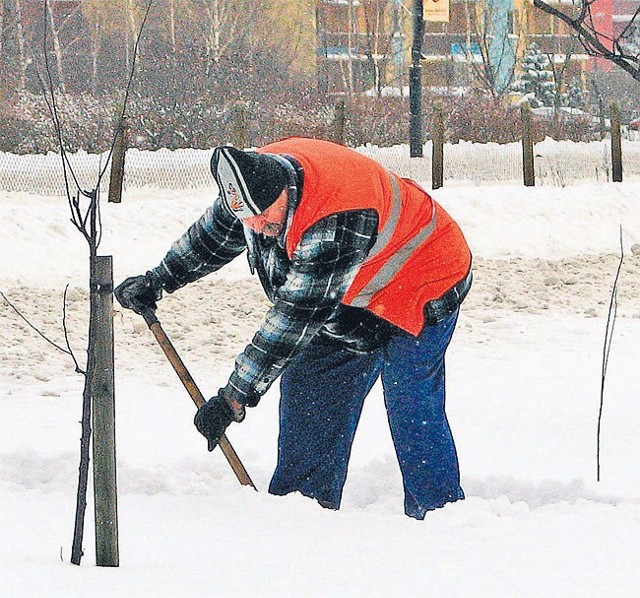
(249, 182)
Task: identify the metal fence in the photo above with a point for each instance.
(556, 163)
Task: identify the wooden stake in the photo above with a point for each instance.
(104, 441)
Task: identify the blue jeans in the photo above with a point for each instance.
(322, 394)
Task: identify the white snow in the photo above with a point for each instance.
(524, 374)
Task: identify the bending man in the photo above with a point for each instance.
(366, 273)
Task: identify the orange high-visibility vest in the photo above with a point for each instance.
(420, 252)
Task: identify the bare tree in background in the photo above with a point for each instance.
(12, 28)
(493, 65)
(621, 48)
(22, 51)
(377, 15)
(1, 24)
(225, 21)
(172, 24)
(104, 22)
(559, 62)
(55, 25)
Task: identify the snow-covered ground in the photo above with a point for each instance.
(524, 374)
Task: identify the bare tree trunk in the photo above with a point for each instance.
(559, 73)
(350, 25)
(213, 30)
(172, 24)
(96, 42)
(57, 49)
(467, 14)
(132, 20)
(222, 19)
(85, 441)
(132, 33)
(1, 26)
(496, 70)
(344, 76)
(321, 51)
(223, 23)
(22, 54)
(375, 24)
(87, 394)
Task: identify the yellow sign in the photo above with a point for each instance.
(436, 10)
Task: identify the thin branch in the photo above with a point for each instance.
(611, 317)
(79, 370)
(629, 27)
(592, 39)
(40, 333)
(53, 110)
(99, 217)
(51, 104)
(78, 219)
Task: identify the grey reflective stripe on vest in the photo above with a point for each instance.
(395, 262)
(384, 236)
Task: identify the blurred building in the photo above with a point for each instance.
(492, 35)
(484, 40)
(360, 44)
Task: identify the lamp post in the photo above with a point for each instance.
(415, 83)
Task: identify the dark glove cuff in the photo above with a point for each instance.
(231, 393)
(230, 412)
(252, 399)
(236, 414)
(155, 279)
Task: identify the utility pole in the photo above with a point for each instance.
(415, 83)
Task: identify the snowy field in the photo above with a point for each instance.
(524, 372)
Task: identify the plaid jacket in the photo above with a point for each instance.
(305, 291)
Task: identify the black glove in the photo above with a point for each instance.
(139, 293)
(214, 417)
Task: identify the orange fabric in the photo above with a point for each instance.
(337, 179)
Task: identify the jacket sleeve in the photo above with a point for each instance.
(207, 245)
(323, 266)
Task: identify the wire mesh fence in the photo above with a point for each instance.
(556, 163)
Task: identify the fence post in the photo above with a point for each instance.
(528, 168)
(340, 122)
(104, 444)
(116, 179)
(240, 126)
(437, 154)
(616, 144)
